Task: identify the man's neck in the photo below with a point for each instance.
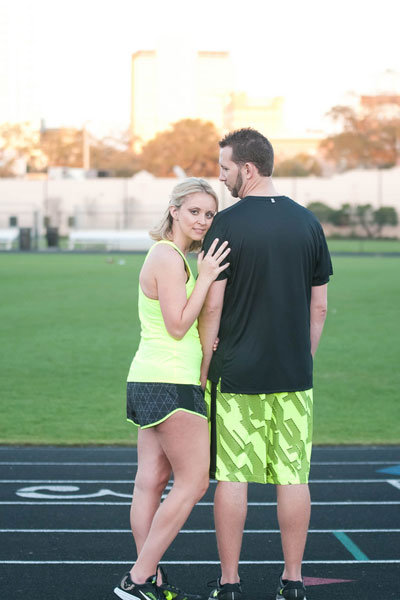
(261, 186)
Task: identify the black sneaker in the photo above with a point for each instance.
(227, 591)
(127, 589)
(171, 592)
(290, 590)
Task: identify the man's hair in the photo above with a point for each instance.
(248, 145)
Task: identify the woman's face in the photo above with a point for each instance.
(195, 215)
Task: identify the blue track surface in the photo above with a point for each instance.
(64, 527)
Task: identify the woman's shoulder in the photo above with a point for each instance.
(164, 255)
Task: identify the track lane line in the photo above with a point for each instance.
(133, 464)
(72, 503)
(193, 531)
(213, 481)
(195, 562)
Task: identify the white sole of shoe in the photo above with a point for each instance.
(279, 597)
(124, 595)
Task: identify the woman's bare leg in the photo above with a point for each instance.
(151, 478)
(185, 442)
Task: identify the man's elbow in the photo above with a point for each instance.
(211, 309)
(319, 312)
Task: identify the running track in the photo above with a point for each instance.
(64, 527)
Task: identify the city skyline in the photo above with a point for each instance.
(177, 82)
(69, 64)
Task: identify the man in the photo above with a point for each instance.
(268, 309)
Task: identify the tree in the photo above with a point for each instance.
(322, 211)
(372, 221)
(364, 214)
(18, 146)
(63, 147)
(300, 165)
(386, 215)
(370, 138)
(190, 144)
(343, 216)
(361, 215)
(114, 154)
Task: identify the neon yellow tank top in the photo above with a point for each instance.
(160, 357)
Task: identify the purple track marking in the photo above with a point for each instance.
(309, 581)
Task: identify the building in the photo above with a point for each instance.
(288, 147)
(264, 114)
(170, 84)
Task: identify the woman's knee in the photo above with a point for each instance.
(152, 480)
(193, 488)
(203, 487)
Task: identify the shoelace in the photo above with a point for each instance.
(170, 586)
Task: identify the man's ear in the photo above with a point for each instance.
(249, 170)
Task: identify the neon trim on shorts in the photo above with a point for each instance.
(191, 412)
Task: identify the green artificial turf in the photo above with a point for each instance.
(69, 329)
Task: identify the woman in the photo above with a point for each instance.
(164, 397)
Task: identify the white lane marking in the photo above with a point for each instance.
(349, 480)
(192, 531)
(395, 483)
(132, 464)
(345, 503)
(69, 492)
(195, 562)
(357, 462)
(51, 481)
(72, 464)
(62, 491)
(131, 481)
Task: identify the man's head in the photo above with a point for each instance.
(245, 154)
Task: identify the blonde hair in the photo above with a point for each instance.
(191, 185)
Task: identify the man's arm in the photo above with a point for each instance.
(318, 310)
(209, 320)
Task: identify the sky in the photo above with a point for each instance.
(75, 56)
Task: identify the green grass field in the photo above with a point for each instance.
(69, 329)
(364, 245)
(355, 245)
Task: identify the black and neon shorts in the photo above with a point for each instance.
(148, 404)
(264, 438)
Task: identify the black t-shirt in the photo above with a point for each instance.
(278, 252)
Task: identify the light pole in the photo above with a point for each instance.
(85, 147)
(380, 187)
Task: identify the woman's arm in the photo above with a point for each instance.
(180, 312)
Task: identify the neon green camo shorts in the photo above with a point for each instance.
(263, 438)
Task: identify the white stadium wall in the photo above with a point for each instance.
(138, 202)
